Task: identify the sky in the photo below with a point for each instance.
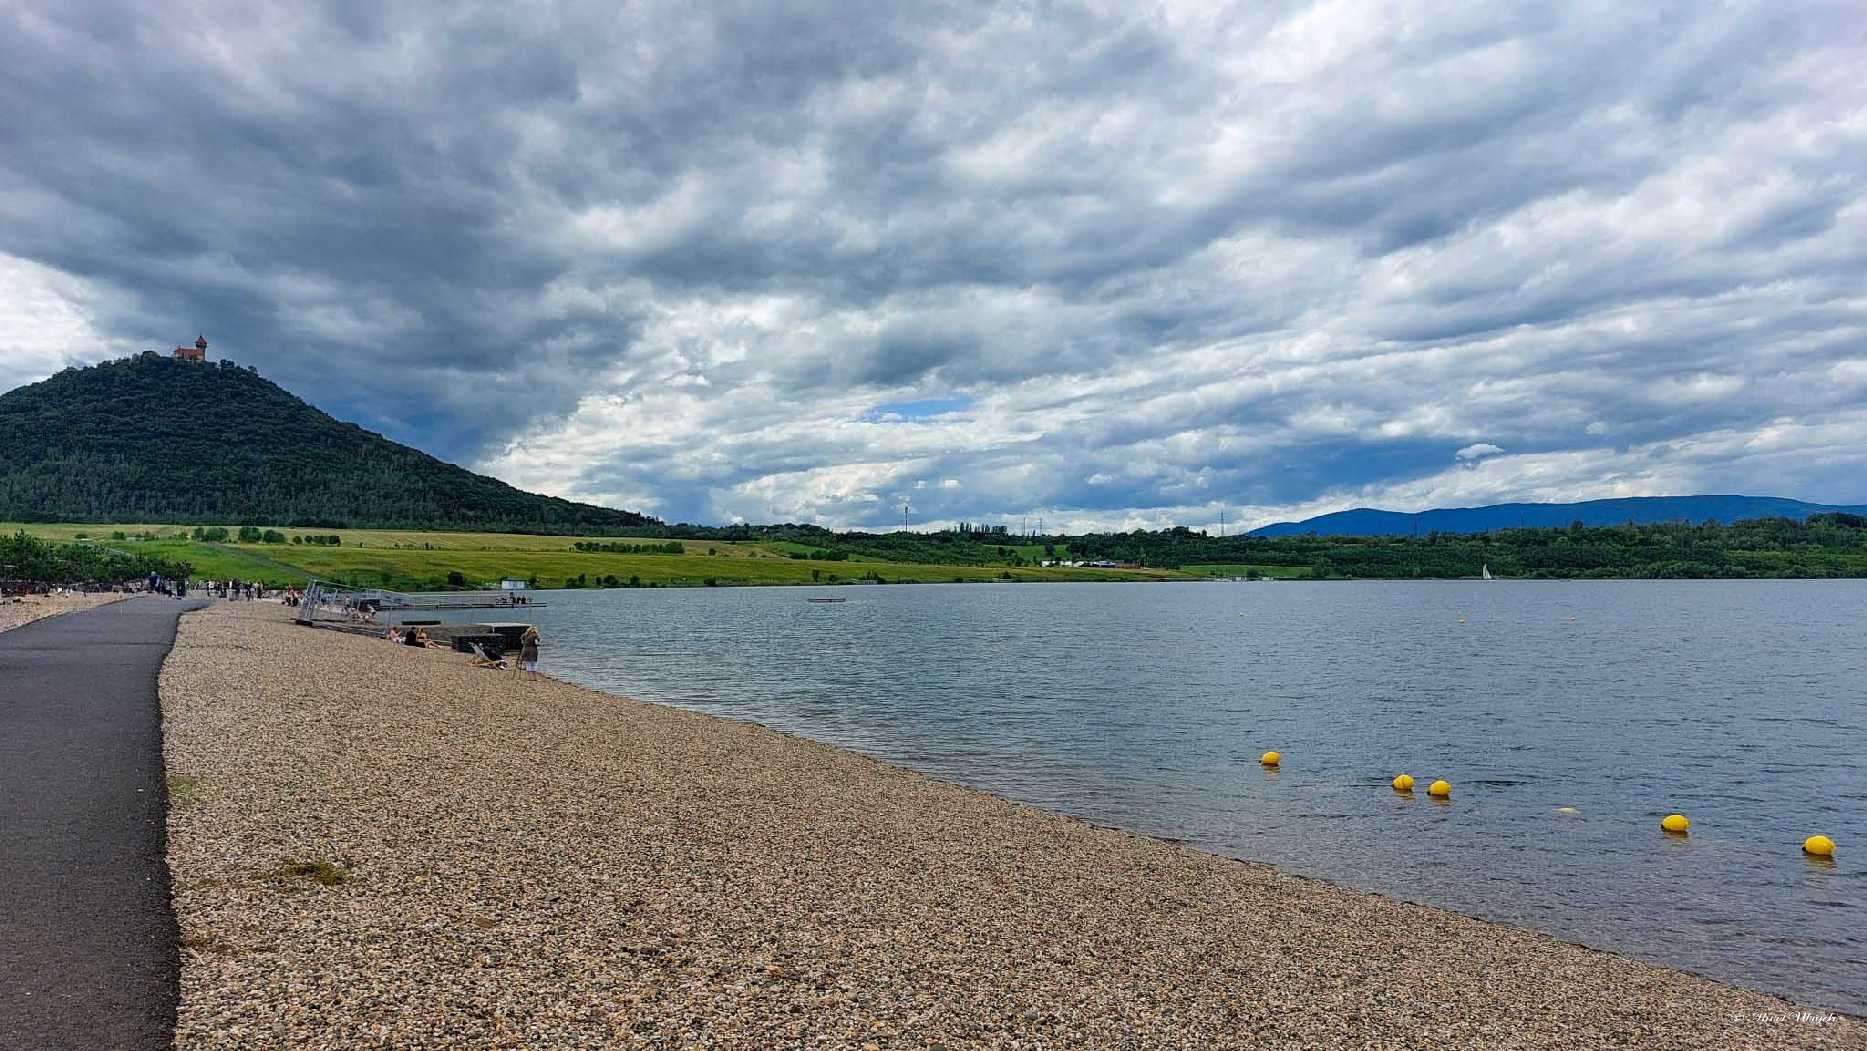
(1107, 265)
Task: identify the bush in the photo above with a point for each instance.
(273, 536)
(456, 579)
(673, 547)
(250, 534)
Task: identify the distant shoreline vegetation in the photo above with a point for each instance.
(1826, 546)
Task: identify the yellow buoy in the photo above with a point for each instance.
(1676, 823)
(1819, 846)
(1439, 789)
(1271, 758)
(1568, 811)
(1403, 783)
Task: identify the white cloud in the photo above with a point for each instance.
(1477, 451)
(47, 321)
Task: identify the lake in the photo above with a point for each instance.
(1146, 706)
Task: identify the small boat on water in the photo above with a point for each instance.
(826, 600)
(1486, 570)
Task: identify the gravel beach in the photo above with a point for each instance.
(37, 607)
(376, 846)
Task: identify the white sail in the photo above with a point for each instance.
(1486, 570)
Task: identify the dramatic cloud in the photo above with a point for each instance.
(1111, 264)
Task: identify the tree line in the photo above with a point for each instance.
(1829, 545)
(28, 558)
(673, 547)
(1825, 545)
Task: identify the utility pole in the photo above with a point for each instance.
(1221, 521)
(904, 517)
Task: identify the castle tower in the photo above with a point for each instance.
(198, 352)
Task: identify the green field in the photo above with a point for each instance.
(1239, 570)
(410, 560)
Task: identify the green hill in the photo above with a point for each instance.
(152, 439)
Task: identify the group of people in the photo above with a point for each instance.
(528, 649)
(237, 590)
(158, 584)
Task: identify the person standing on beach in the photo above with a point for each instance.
(528, 652)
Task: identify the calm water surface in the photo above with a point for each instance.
(1145, 706)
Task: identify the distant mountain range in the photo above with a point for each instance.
(1368, 521)
(157, 439)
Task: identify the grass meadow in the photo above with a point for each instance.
(414, 560)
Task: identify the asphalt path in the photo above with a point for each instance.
(88, 954)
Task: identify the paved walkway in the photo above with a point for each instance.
(87, 938)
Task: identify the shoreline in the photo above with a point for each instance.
(635, 875)
(1176, 843)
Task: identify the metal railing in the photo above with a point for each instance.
(344, 602)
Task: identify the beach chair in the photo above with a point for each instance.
(481, 660)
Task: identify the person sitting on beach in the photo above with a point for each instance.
(392, 635)
(421, 639)
(482, 660)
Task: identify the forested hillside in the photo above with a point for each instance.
(1828, 545)
(151, 439)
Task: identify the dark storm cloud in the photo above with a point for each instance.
(672, 256)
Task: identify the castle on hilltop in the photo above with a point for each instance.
(198, 352)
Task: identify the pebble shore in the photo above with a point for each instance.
(37, 607)
(381, 847)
